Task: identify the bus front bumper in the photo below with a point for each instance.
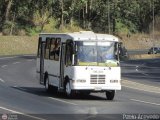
(96, 87)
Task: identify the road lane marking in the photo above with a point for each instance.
(62, 101)
(141, 89)
(140, 84)
(92, 111)
(29, 55)
(1, 80)
(29, 60)
(1, 58)
(8, 57)
(16, 62)
(16, 112)
(145, 102)
(3, 66)
(142, 76)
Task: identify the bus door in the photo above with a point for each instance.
(42, 53)
(62, 62)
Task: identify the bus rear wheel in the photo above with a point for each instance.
(47, 85)
(110, 94)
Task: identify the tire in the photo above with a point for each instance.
(110, 94)
(47, 86)
(68, 90)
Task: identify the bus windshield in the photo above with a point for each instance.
(95, 53)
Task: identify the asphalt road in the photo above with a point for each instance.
(21, 96)
(142, 71)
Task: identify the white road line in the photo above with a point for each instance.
(143, 76)
(16, 62)
(3, 66)
(29, 55)
(136, 83)
(29, 60)
(62, 101)
(1, 58)
(141, 89)
(8, 57)
(1, 80)
(92, 111)
(16, 112)
(145, 102)
(136, 69)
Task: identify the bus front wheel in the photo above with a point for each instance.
(110, 94)
(68, 90)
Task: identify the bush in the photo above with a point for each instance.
(6, 28)
(50, 26)
(31, 31)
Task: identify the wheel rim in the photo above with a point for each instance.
(68, 89)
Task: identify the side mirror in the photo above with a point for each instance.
(117, 50)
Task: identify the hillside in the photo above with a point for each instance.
(30, 17)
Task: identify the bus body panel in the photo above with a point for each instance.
(52, 68)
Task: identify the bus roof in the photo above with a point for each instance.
(81, 36)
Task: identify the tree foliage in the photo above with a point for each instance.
(126, 16)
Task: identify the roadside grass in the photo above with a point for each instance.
(17, 45)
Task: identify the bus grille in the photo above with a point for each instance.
(97, 79)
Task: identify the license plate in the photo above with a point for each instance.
(97, 88)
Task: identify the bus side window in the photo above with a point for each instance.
(52, 53)
(55, 49)
(47, 47)
(69, 52)
(39, 47)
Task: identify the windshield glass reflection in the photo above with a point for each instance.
(95, 52)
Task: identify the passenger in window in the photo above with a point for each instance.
(55, 50)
